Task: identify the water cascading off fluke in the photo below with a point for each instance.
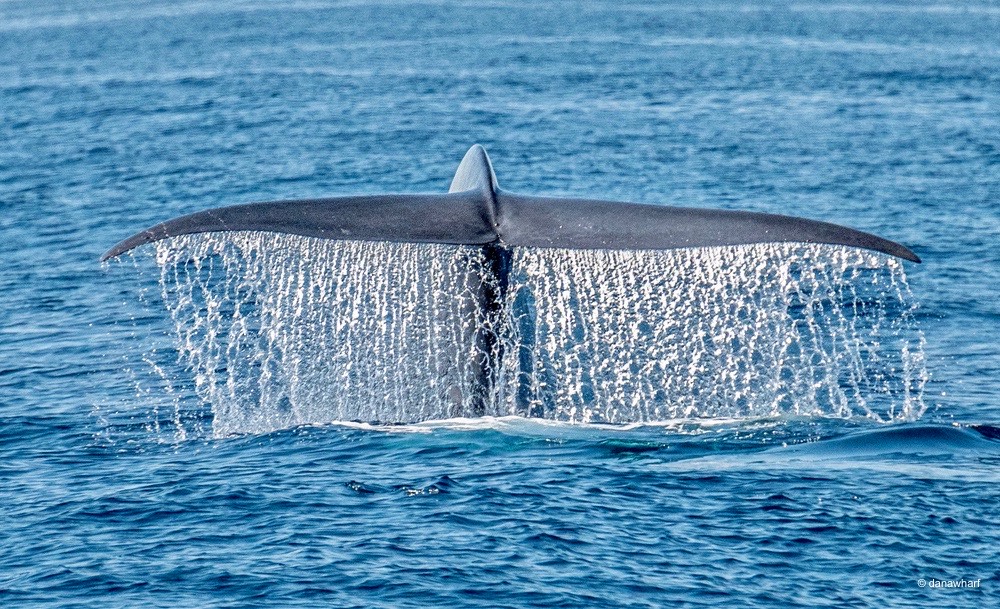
(406, 308)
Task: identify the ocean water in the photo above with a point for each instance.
(773, 426)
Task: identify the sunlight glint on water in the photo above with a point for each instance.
(282, 330)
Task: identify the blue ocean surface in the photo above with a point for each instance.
(173, 433)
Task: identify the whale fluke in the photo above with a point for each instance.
(476, 211)
(592, 224)
(459, 218)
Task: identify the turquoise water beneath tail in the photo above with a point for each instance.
(275, 421)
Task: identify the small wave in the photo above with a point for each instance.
(527, 426)
(922, 451)
(900, 440)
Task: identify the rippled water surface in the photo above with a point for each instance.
(239, 421)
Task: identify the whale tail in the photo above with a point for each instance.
(475, 211)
